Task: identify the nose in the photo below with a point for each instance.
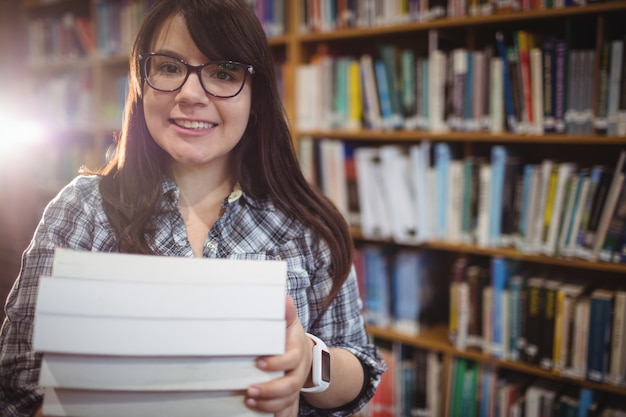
(192, 91)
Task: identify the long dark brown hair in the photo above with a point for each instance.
(264, 160)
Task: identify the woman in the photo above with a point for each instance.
(205, 167)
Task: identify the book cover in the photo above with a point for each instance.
(615, 74)
(548, 50)
(548, 297)
(534, 320)
(420, 165)
(566, 299)
(59, 402)
(564, 172)
(500, 274)
(499, 155)
(600, 324)
(146, 373)
(617, 366)
(139, 336)
(398, 181)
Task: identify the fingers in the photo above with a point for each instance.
(273, 396)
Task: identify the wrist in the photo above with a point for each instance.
(319, 375)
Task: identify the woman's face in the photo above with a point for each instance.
(196, 129)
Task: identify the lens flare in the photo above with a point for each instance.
(20, 133)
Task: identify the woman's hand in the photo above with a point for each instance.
(281, 396)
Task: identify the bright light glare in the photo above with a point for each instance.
(19, 133)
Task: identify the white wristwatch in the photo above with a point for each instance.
(320, 367)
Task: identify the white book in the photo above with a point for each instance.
(85, 403)
(564, 170)
(308, 96)
(484, 202)
(578, 368)
(567, 297)
(543, 190)
(146, 373)
(617, 364)
(568, 211)
(454, 209)
(496, 99)
(166, 300)
(334, 183)
(157, 337)
(395, 164)
(420, 164)
(147, 268)
(615, 74)
(536, 81)
(372, 113)
(375, 221)
(609, 205)
(570, 245)
(436, 91)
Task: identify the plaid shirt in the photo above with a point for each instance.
(248, 229)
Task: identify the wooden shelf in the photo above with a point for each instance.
(460, 22)
(502, 138)
(436, 339)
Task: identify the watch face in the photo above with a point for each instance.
(325, 366)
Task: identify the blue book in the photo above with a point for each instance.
(486, 389)
(340, 99)
(526, 182)
(585, 401)
(406, 283)
(442, 163)
(499, 156)
(499, 285)
(515, 342)
(377, 287)
(509, 109)
(383, 94)
(599, 334)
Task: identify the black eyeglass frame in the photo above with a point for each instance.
(143, 58)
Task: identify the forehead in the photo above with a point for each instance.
(173, 36)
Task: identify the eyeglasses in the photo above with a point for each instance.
(221, 79)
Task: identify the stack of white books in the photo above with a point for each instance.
(146, 336)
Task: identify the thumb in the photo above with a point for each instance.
(291, 314)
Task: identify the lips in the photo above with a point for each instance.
(193, 124)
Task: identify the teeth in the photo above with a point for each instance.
(188, 124)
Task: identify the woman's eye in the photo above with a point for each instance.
(170, 68)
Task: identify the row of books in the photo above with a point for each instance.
(570, 326)
(272, 14)
(482, 391)
(68, 96)
(429, 191)
(402, 289)
(147, 335)
(328, 15)
(59, 39)
(413, 386)
(526, 84)
(69, 36)
(117, 23)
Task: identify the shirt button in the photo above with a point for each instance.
(211, 245)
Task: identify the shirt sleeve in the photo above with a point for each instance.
(65, 223)
(341, 325)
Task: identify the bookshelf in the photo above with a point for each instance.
(88, 135)
(314, 136)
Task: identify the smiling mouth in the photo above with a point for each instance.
(196, 125)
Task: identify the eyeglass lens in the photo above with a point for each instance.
(222, 79)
